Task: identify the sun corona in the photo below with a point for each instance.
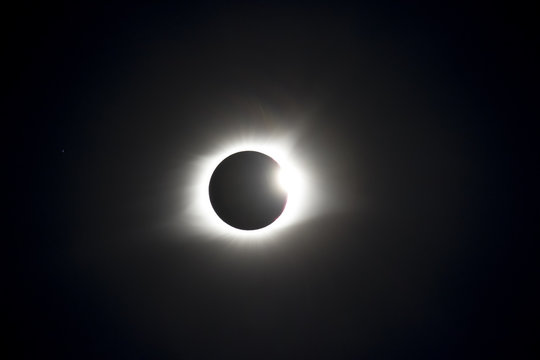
(292, 178)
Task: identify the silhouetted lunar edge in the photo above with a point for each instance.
(244, 193)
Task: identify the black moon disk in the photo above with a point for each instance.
(244, 191)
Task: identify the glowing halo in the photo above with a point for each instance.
(201, 218)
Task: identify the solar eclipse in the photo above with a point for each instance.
(284, 196)
(246, 192)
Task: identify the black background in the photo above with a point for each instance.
(417, 119)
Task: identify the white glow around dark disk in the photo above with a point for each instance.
(293, 178)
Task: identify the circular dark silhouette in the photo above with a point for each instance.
(244, 191)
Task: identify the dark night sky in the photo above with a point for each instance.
(416, 119)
